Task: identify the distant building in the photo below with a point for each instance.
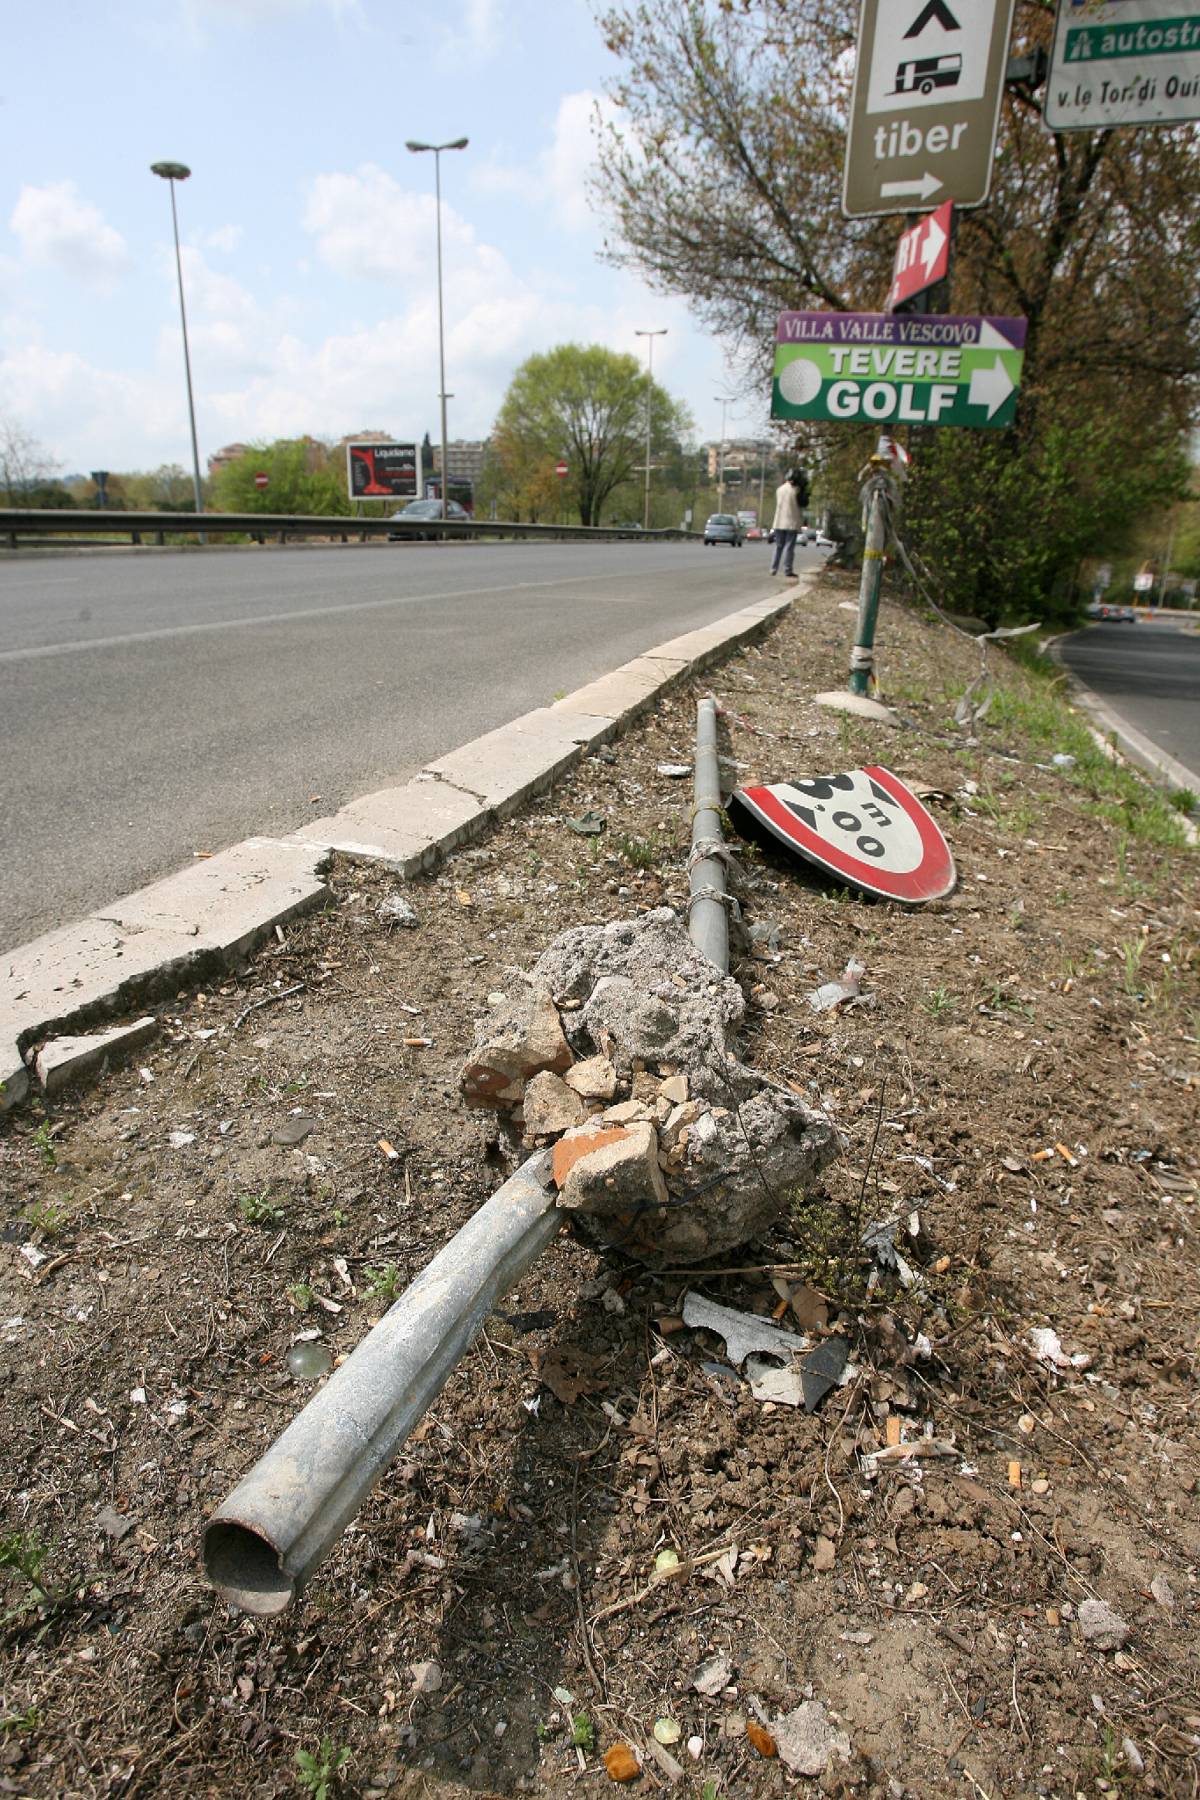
(465, 459)
(366, 437)
(742, 454)
(221, 458)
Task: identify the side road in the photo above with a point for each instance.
(218, 910)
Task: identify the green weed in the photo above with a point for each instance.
(260, 1209)
(1184, 801)
(301, 1295)
(48, 1216)
(43, 1143)
(643, 852)
(583, 1734)
(1132, 951)
(315, 1769)
(939, 1000)
(385, 1283)
(21, 1723)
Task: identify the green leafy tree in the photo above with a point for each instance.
(722, 174)
(303, 476)
(587, 404)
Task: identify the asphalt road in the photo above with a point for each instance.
(155, 705)
(1150, 674)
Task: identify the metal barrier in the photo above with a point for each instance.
(49, 522)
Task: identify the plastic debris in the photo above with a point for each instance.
(832, 994)
(744, 1333)
(674, 771)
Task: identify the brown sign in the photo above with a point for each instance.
(927, 84)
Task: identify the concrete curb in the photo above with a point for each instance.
(214, 912)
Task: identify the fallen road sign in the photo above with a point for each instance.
(865, 827)
(924, 369)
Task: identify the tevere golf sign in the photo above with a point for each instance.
(927, 369)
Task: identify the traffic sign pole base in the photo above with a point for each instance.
(841, 700)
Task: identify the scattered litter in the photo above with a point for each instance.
(761, 1738)
(396, 911)
(923, 1162)
(1102, 1626)
(674, 771)
(879, 1241)
(621, 1763)
(919, 1449)
(1062, 760)
(308, 1362)
(713, 1677)
(743, 1332)
(667, 1731)
(1047, 1347)
(807, 1741)
(824, 1368)
(33, 1256)
(589, 824)
(392, 1155)
(1072, 1162)
(858, 1637)
(769, 1382)
(832, 994)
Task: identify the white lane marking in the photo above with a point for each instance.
(76, 646)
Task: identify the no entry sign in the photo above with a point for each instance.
(864, 827)
(924, 369)
(560, 468)
(261, 480)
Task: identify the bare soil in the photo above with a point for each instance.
(1024, 1080)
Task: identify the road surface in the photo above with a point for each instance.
(1149, 673)
(155, 705)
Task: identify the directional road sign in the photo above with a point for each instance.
(927, 84)
(1124, 62)
(922, 256)
(919, 369)
(865, 827)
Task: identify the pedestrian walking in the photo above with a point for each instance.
(791, 497)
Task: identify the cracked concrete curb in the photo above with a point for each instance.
(212, 913)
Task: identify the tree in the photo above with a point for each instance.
(722, 173)
(27, 471)
(587, 405)
(303, 476)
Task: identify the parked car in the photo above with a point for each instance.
(427, 509)
(723, 528)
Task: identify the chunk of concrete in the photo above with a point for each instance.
(807, 1739)
(550, 1106)
(579, 1143)
(1101, 1625)
(595, 1078)
(516, 1043)
(14, 1077)
(79, 971)
(619, 1177)
(67, 1059)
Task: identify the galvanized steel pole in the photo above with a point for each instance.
(708, 916)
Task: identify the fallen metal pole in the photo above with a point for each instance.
(262, 1544)
(708, 916)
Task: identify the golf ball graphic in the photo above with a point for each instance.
(799, 381)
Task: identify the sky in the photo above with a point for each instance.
(307, 229)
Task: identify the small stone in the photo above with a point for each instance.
(808, 1741)
(824, 1556)
(695, 1747)
(1163, 1592)
(674, 1089)
(427, 1677)
(179, 1140)
(594, 1078)
(113, 1524)
(1040, 1486)
(627, 1112)
(713, 1676)
(620, 1176)
(550, 1106)
(1134, 1760)
(395, 910)
(293, 1132)
(1101, 1625)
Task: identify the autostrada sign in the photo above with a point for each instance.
(925, 369)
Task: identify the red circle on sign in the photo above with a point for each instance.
(260, 480)
(560, 468)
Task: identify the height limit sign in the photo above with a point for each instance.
(928, 79)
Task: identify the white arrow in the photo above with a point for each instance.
(935, 239)
(990, 387)
(990, 338)
(928, 184)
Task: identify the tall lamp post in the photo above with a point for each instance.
(649, 337)
(172, 172)
(723, 403)
(456, 144)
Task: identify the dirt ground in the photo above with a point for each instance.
(1022, 1076)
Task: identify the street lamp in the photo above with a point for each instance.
(173, 172)
(723, 403)
(457, 144)
(649, 337)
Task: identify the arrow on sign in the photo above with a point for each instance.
(935, 238)
(928, 184)
(990, 387)
(936, 10)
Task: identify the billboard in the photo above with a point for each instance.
(383, 471)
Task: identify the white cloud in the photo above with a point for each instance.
(474, 36)
(222, 237)
(557, 175)
(55, 225)
(368, 227)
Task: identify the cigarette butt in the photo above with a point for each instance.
(893, 1428)
(1014, 1474)
(1071, 1161)
(391, 1154)
(418, 1043)
(1042, 1155)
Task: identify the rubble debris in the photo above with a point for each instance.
(550, 1106)
(396, 911)
(807, 1741)
(769, 1382)
(1102, 1626)
(832, 994)
(632, 1013)
(520, 1040)
(823, 1369)
(66, 1059)
(674, 771)
(1047, 1347)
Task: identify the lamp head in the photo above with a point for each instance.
(411, 144)
(170, 171)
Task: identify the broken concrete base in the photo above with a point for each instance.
(67, 1059)
(696, 1152)
(842, 700)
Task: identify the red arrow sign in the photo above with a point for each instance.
(865, 827)
(922, 256)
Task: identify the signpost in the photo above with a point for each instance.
(922, 257)
(864, 827)
(928, 369)
(928, 79)
(383, 471)
(1124, 62)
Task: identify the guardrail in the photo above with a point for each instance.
(32, 522)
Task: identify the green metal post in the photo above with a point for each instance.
(862, 657)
